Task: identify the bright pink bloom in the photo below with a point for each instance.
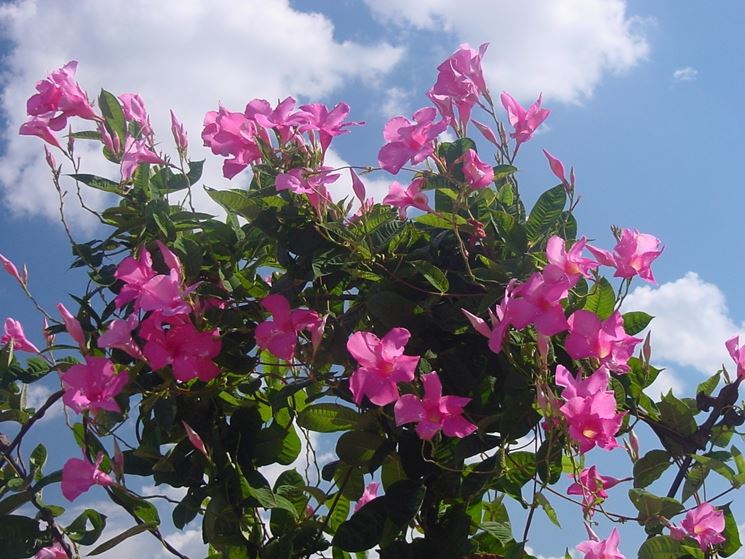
(557, 168)
(370, 493)
(119, 336)
(524, 122)
(195, 439)
(434, 412)
(460, 82)
(410, 141)
(55, 551)
(737, 353)
(179, 134)
(110, 141)
(606, 340)
(571, 262)
(538, 302)
(136, 152)
(478, 174)
(360, 193)
(14, 332)
(11, 269)
(277, 119)
(577, 387)
(382, 365)
(173, 340)
(72, 325)
(60, 97)
(39, 126)
(592, 488)
(279, 335)
(500, 320)
(411, 196)
(316, 117)
(93, 386)
(593, 420)
(78, 476)
(231, 134)
(632, 255)
(704, 524)
(135, 111)
(603, 549)
(310, 183)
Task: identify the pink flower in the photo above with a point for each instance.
(370, 493)
(12, 270)
(39, 126)
(434, 412)
(231, 134)
(93, 386)
(557, 168)
(110, 141)
(60, 97)
(737, 353)
(410, 141)
(571, 262)
(14, 333)
(174, 341)
(195, 439)
(524, 122)
(360, 193)
(460, 82)
(316, 117)
(411, 196)
(277, 119)
(72, 325)
(55, 551)
(632, 255)
(606, 340)
(136, 152)
(576, 387)
(78, 476)
(603, 549)
(592, 488)
(279, 335)
(310, 183)
(478, 174)
(382, 365)
(500, 320)
(538, 302)
(119, 336)
(135, 111)
(704, 524)
(593, 420)
(179, 134)
(487, 132)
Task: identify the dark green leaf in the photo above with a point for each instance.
(731, 534)
(601, 299)
(636, 321)
(328, 418)
(650, 467)
(99, 183)
(545, 214)
(364, 530)
(78, 528)
(432, 274)
(441, 220)
(661, 547)
(113, 114)
(119, 538)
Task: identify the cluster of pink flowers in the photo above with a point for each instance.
(280, 335)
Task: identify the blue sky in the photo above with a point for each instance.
(645, 99)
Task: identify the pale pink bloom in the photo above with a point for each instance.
(55, 551)
(72, 325)
(632, 255)
(60, 97)
(39, 126)
(173, 340)
(557, 168)
(316, 117)
(135, 111)
(487, 132)
(14, 332)
(460, 82)
(370, 493)
(136, 152)
(93, 386)
(195, 440)
(593, 420)
(12, 270)
(410, 141)
(524, 122)
(78, 476)
(538, 302)
(412, 195)
(382, 365)
(606, 340)
(704, 524)
(737, 353)
(309, 183)
(279, 336)
(478, 174)
(591, 486)
(434, 412)
(179, 134)
(603, 549)
(231, 134)
(571, 262)
(119, 336)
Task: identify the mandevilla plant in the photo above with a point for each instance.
(464, 357)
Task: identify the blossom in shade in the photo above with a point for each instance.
(59, 97)
(557, 168)
(179, 134)
(605, 340)
(280, 334)
(195, 440)
(591, 486)
(704, 524)
(411, 196)
(410, 141)
(119, 336)
(434, 412)
(55, 551)
(602, 549)
(478, 174)
(175, 341)
(316, 117)
(499, 320)
(78, 476)
(571, 261)
(370, 492)
(13, 332)
(632, 255)
(737, 353)
(231, 134)
(525, 122)
(309, 183)
(136, 153)
(382, 364)
(93, 386)
(72, 325)
(134, 111)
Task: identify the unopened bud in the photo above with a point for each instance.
(633, 446)
(50, 159)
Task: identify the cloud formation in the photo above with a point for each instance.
(686, 74)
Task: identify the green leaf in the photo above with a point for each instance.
(142, 509)
(357, 448)
(500, 530)
(340, 513)
(20, 536)
(364, 530)
(86, 135)
(328, 418)
(677, 415)
(651, 506)
(78, 529)
(731, 533)
(547, 508)
(269, 500)
(441, 220)
(708, 386)
(601, 299)
(432, 274)
(636, 321)
(661, 547)
(546, 212)
(119, 538)
(403, 500)
(99, 183)
(113, 114)
(650, 467)
(548, 460)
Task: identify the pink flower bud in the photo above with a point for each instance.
(50, 159)
(11, 269)
(179, 134)
(72, 325)
(195, 439)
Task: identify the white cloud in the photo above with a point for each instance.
(562, 48)
(686, 74)
(184, 55)
(666, 381)
(396, 102)
(37, 395)
(691, 322)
